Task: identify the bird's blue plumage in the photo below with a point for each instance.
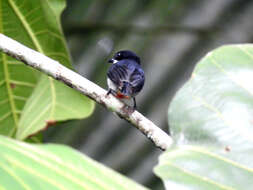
(128, 76)
(125, 76)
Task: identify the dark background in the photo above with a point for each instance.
(170, 37)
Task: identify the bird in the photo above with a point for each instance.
(125, 77)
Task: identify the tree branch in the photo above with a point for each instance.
(59, 72)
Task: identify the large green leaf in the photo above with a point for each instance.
(36, 24)
(199, 168)
(26, 166)
(50, 103)
(211, 120)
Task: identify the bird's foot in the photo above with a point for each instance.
(110, 91)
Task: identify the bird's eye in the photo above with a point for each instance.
(118, 56)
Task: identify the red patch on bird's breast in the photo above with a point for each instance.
(121, 96)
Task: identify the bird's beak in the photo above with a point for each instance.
(112, 61)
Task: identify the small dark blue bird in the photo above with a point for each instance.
(125, 76)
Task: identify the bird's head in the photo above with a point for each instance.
(124, 54)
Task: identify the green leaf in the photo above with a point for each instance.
(49, 103)
(36, 24)
(211, 121)
(35, 138)
(193, 167)
(16, 80)
(26, 166)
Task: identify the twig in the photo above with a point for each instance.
(88, 88)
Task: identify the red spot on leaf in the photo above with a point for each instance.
(50, 123)
(12, 85)
(227, 149)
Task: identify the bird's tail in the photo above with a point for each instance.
(127, 89)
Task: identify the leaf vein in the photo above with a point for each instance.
(34, 172)
(245, 51)
(221, 158)
(49, 32)
(22, 83)
(59, 170)
(205, 179)
(17, 178)
(26, 26)
(20, 98)
(219, 115)
(227, 74)
(28, 128)
(4, 101)
(9, 91)
(5, 116)
(31, 12)
(53, 92)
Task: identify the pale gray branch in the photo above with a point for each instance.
(88, 88)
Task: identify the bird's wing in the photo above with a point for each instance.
(118, 73)
(129, 72)
(137, 80)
